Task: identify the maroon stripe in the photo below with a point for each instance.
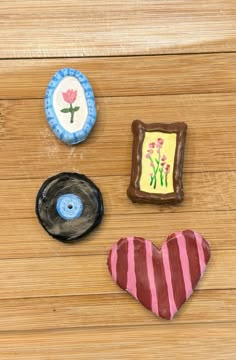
(192, 251)
(122, 263)
(176, 273)
(142, 281)
(109, 261)
(206, 250)
(161, 286)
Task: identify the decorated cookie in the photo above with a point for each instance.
(70, 106)
(69, 206)
(162, 279)
(157, 162)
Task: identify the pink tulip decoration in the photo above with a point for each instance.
(167, 169)
(158, 164)
(152, 145)
(159, 143)
(70, 96)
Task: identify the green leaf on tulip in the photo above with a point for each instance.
(65, 110)
(76, 108)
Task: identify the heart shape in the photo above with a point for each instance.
(162, 279)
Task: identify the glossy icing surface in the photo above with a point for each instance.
(70, 106)
(62, 100)
(157, 162)
(162, 279)
(69, 206)
(158, 153)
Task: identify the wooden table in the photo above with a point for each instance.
(163, 60)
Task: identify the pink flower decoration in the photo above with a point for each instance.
(160, 141)
(152, 165)
(150, 151)
(167, 169)
(158, 145)
(147, 156)
(163, 158)
(151, 174)
(69, 96)
(152, 145)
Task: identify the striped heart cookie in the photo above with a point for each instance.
(162, 279)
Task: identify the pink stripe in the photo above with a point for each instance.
(200, 252)
(114, 262)
(184, 263)
(151, 277)
(131, 277)
(166, 263)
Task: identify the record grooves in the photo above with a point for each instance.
(69, 206)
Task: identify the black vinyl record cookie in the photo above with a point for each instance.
(69, 206)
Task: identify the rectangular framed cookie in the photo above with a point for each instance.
(157, 162)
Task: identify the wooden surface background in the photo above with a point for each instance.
(159, 60)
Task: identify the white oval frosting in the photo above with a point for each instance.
(70, 83)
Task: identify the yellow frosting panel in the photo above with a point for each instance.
(158, 154)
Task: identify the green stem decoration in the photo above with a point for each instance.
(71, 114)
(166, 180)
(161, 176)
(155, 182)
(72, 111)
(155, 170)
(153, 178)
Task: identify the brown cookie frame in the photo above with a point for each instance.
(135, 194)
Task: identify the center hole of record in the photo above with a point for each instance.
(69, 206)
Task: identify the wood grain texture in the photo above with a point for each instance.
(58, 301)
(208, 148)
(39, 29)
(116, 201)
(88, 274)
(64, 312)
(204, 340)
(28, 240)
(124, 76)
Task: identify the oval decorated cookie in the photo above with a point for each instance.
(70, 106)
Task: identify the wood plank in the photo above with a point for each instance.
(208, 147)
(25, 238)
(87, 275)
(206, 306)
(217, 192)
(26, 118)
(162, 342)
(58, 301)
(116, 200)
(124, 76)
(98, 28)
(26, 160)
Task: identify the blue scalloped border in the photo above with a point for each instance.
(57, 128)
